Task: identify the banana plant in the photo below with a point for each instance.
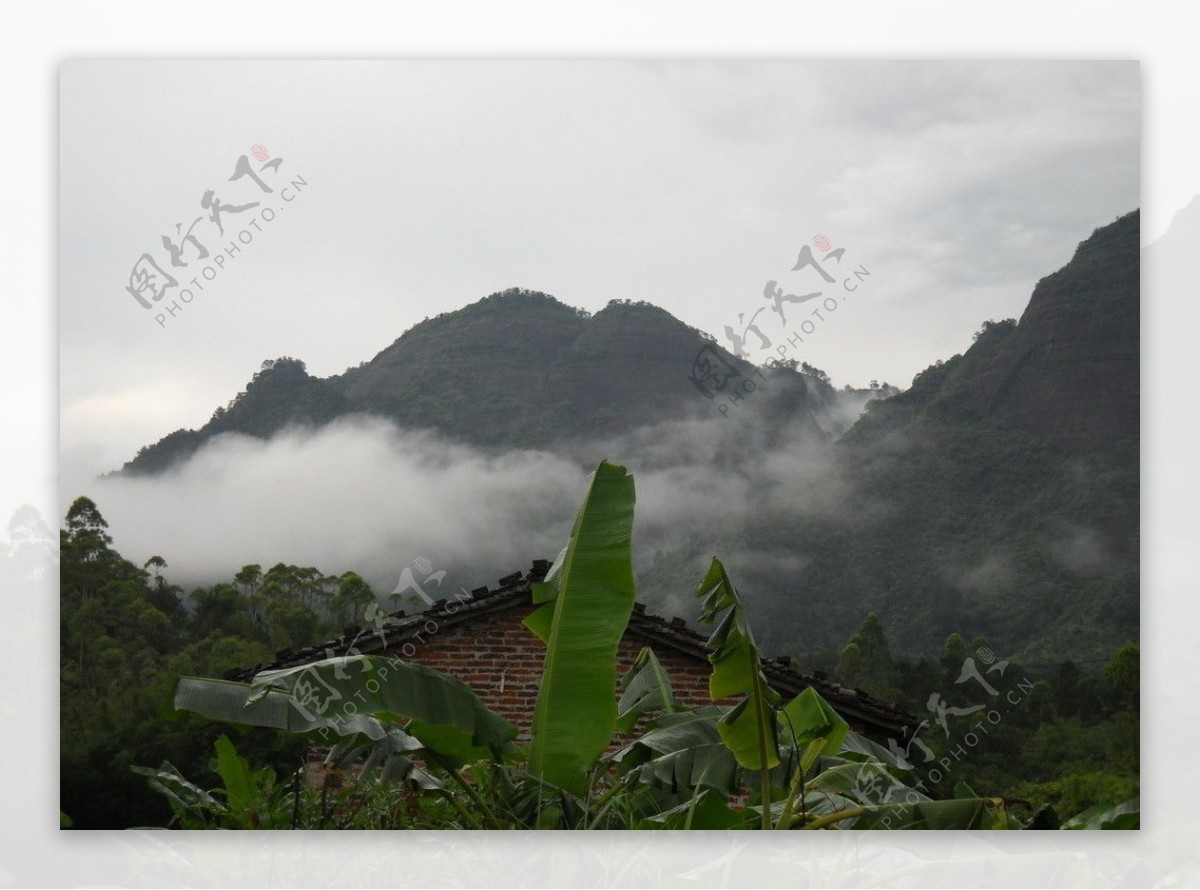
(749, 729)
(356, 695)
(1126, 815)
(585, 604)
(645, 688)
(718, 750)
(402, 709)
(247, 798)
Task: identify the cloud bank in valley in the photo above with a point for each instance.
(363, 494)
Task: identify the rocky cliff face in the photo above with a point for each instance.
(1069, 370)
(1068, 373)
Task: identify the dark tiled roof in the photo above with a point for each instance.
(400, 627)
(514, 590)
(850, 703)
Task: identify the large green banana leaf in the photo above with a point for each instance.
(930, 815)
(227, 701)
(872, 798)
(682, 751)
(242, 787)
(645, 687)
(749, 729)
(363, 694)
(809, 724)
(587, 599)
(1125, 815)
(182, 794)
(704, 811)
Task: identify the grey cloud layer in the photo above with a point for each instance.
(688, 184)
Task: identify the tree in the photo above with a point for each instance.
(87, 561)
(84, 517)
(124, 632)
(1074, 693)
(954, 653)
(164, 596)
(850, 665)
(352, 598)
(155, 565)
(249, 577)
(810, 371)
(221, 610)
(1123, 678)
(991, 325)
(866, 661)
(86, 529)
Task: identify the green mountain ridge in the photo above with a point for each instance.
(1069, 371)
(1003, 489)
(516, 369)
(998, 495)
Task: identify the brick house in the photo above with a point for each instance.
(480, 639)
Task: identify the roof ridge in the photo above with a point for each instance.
(399, 620)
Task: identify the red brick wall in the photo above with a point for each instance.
(501, 660)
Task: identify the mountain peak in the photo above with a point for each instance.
(1068, 371)
(516, 368)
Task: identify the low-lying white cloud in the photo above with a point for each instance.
(363, 494)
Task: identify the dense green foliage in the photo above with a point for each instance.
(1064, 736)
(957, 525)
(126, 633)
(281, 393)
(421, 750)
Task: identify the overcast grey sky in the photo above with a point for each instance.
(432, 184)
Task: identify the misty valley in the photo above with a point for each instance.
(951, 568)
